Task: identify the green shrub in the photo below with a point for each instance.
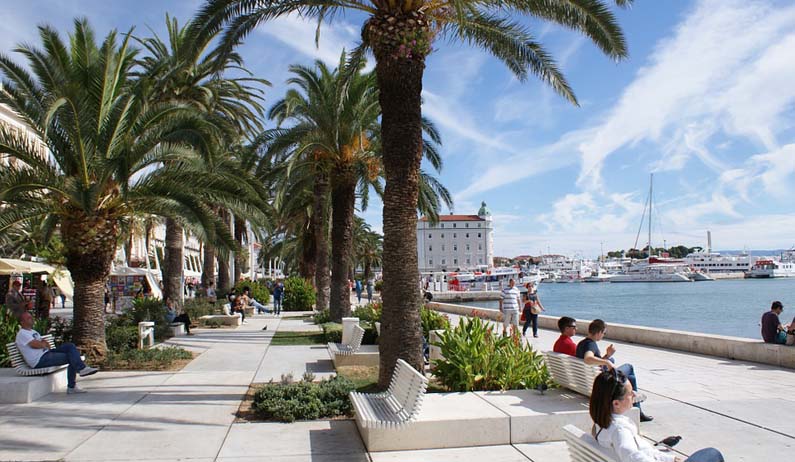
(333, 332)
(370, 334)
(213, 323)
(9, 326)
(432, 320)
(257, 291)
(477, 359)
(370, 312)
(151, 359)
(149, 309)
(198, 307)
(61, 330)
(288, 402)
(120, 338)
(322, 317)
(299, 295)
(379, 285)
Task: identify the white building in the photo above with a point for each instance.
(456, 242)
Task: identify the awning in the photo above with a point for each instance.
(60, 276)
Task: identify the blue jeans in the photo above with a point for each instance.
(277, 305)
(530, 319)
(259, 306)
(706, 455)
(64, 354)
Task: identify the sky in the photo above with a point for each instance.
(705, 101)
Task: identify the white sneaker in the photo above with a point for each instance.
(639, 397)
(74, 391)
(86, 371)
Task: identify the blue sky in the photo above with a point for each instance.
(706, 101)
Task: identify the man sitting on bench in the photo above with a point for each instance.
(588, 350)
(37, 354)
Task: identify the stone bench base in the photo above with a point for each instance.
(15, 389)
(446, 420)
(177, 329)
(456, 420)
(366, 356)
(225, 319)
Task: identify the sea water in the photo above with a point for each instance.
(725, 307)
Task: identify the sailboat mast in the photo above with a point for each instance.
(651, 189)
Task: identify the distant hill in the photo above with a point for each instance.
(754, 252)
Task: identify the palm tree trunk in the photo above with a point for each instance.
(208, 265)
(223, 263)
(89, 244)
(343, 200)
(400, 84)
(320, 231)
(307, 266)
(240, 232)
(128, 245)
(172, 270)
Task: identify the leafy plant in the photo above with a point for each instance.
(61, 330)
(370, 312)
(322, 317)
(120, 337)
(379, 285)
(477, 359)
(432, 320)
(149, 309)
(198, 307)
(257, 291)
(333, 332)
(288, 402)
(299, 295)
(9, 326)
(151, 359)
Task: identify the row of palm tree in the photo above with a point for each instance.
(128, 135)
(401, 34)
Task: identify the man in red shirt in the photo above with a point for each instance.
(564, 343)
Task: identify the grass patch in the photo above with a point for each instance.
(153, 359)
(298, 338)
(365, 379)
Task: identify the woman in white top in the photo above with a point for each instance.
(611, 398)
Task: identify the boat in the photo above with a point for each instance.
(784, 267)
(601, 275)
(653, 269)
(713, 262)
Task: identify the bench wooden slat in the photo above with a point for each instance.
(571, 372)
(396, 407)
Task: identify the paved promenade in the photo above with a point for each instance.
(742, 408)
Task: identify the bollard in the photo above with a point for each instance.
(435, 351)
(347, 329)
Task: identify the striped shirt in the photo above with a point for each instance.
(510, 298)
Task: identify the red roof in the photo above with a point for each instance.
(457, 218)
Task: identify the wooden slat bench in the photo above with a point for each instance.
(584, 448)
(397, 406)
(571, 372)
(22, 368)
(348, 349)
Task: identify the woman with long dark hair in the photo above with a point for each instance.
(611, 398)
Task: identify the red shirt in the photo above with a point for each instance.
(565, 345)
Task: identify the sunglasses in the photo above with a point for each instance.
(620, 379)
(573, 326)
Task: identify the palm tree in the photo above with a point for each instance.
(401, 34)
(367, 246)
(105, 145)
(185, 70)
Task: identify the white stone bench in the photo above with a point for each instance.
(396, 407)
(177, 329)
(571, 372)
(15, 389)
(347, 349)
(584, 448)
(146, 334)
(22, 368)
(224, 319)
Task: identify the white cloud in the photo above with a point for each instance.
(299, 34)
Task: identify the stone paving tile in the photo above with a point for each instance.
(504, 453)
(295, 360)
(555, 451)
(315, 438)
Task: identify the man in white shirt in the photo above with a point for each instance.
(37, 354)
(509, 307)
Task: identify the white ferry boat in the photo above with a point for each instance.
(770, 268)
(713, 262)
(654, 269)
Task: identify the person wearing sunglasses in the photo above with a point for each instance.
(588, 351)
(564, 343)
(611, 397)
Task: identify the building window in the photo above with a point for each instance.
(442, 225)
(454, 225)
(430, 248)
(442, 247)
(479, 235)
(467, 247)
(480, 260)
(467, 236)
(442, 235)
(455, 247)
(455, 261)
(430, 262)
(478, 225)
(469, 261)
(430, 235)
(444, 262)
(455, 235)
(466, 225)
(480, 247)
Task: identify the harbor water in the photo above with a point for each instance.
(725, 307)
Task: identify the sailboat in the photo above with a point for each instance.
(653, 268)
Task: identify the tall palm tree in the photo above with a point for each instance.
(105, 145)
(184, 69)
(367, 246)
(401, 34)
